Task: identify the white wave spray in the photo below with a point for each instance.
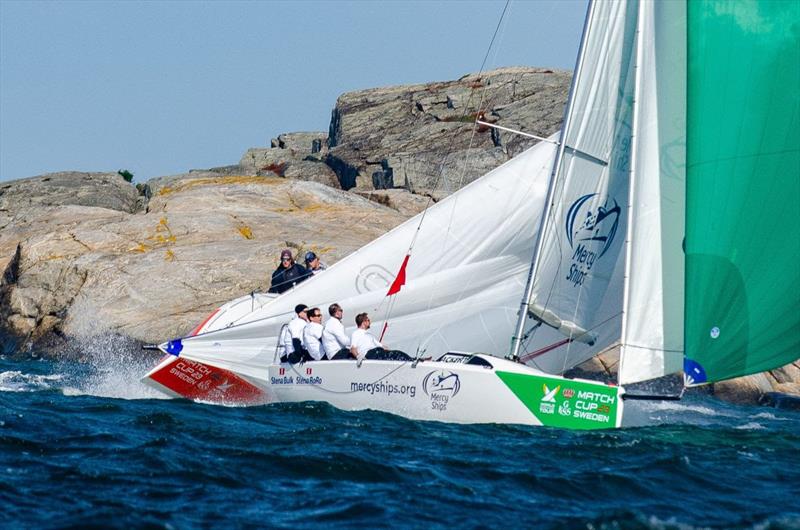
(115, 366)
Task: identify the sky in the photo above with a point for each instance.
(159, 88)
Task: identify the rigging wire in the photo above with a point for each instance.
(450, 149)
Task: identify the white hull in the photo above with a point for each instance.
(495, 391)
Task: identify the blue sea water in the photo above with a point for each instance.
(86, 445)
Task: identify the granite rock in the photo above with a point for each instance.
(281, 162)
(409, 130)
(83, 271)
(103, 190)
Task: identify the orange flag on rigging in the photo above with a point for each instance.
(400, 279)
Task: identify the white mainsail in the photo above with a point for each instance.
(610, 268)
(578, 282)
(464, 279)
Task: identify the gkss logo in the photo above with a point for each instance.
(590, 226)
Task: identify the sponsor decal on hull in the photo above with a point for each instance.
(441, 386)
(296, 378)
(199, 381)
(384, 387)
(565, 403)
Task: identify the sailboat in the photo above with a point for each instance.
(658, 224)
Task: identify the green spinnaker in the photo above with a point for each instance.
(742, 312)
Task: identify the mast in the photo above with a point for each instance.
(516, 340)
(637, 85)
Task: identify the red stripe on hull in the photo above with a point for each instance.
(198, 381)
(203, 323)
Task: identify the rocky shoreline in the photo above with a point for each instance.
(88, 254)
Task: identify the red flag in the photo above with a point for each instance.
(400, 279)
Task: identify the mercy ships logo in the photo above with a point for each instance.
(591, 224)
(441, 385)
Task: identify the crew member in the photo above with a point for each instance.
(362, 340)
(312, 335)
(334, 340)
(313, 264)
(293, 336)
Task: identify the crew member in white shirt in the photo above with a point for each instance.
(362, 340)
(334, 340)
(312, 335)
(293, 336)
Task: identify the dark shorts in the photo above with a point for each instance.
(299, 357)
(342, 355)
(380, 354)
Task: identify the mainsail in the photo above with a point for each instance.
(463, 282)
(610, 269)
(640, 162)
(578, 282)
(743, 188)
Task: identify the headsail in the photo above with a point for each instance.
(743, 188)
(462, 284)
(652, 341)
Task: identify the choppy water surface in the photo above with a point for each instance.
(85, 445)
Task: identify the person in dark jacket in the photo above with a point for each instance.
(288, 274)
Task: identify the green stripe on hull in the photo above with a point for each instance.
(742, 311)
(566, 403)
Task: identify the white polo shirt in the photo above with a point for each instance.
(295, 331)
(333, 337)
(312, 336)
(364, 342)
